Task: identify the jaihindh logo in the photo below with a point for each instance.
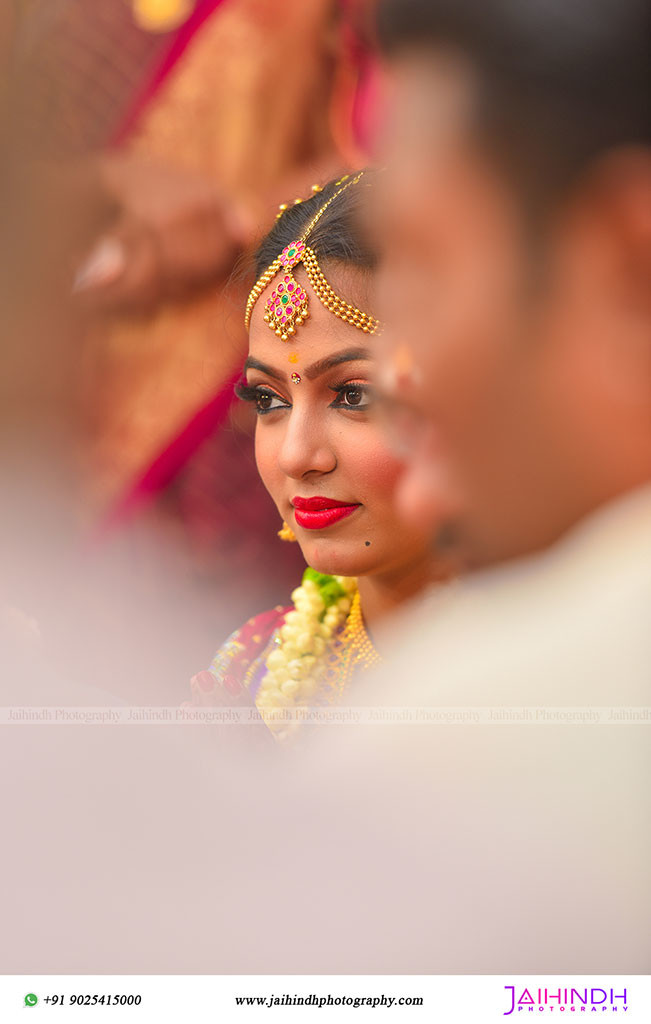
(564, 1000)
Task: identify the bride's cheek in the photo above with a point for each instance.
(378, 470)
(266, 460)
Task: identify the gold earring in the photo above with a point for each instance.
(286, 533)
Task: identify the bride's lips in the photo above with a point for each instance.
(317, 513)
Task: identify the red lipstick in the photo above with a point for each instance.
(317, 513)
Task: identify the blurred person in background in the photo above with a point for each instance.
(321, 455)
(516, 231)
(516, 222)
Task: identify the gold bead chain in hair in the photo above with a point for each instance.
(274, 267)
(288, 309)
(259, 287)
(341, 309)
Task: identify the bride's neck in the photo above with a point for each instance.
(381, 594)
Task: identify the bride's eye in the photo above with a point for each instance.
(352, 396)
(263, 399)
(266, 401)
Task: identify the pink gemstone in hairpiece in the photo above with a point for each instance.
(281, 287)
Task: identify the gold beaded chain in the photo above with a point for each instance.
(341, 309)
(259, 287)
(358, 652)
(350, 650)
(286, 327)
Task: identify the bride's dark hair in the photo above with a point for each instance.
(337, 237)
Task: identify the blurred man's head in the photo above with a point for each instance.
(516, 221)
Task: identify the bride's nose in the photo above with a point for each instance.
(306, 446)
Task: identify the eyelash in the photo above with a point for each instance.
(254, 392)
(341, 389)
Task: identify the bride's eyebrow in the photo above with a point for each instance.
(255, 364)
(348, 356)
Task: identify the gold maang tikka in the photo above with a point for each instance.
(287, 307)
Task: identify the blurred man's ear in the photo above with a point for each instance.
(612, 217)
(618, 201)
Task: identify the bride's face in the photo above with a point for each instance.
(319, 449)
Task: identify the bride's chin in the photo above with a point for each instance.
(333, 558)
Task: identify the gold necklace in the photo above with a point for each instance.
(351, 651)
